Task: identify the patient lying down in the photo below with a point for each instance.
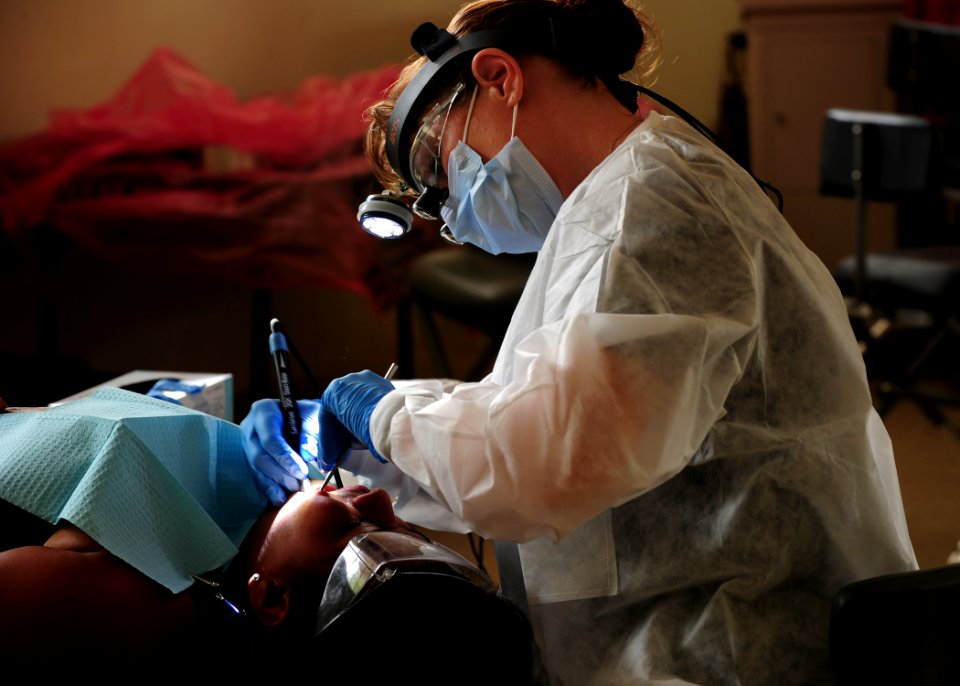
(66, 601)
(69, 586)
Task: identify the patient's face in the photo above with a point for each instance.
(314, 527)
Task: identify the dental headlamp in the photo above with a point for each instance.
(384, 216)
(449, 57)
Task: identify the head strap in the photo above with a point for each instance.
(448, 57)
(431, 41)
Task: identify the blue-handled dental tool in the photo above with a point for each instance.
(288, 404)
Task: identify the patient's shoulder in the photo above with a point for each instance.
(75, 588)
(69, 537)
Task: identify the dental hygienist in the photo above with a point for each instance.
(678, 428)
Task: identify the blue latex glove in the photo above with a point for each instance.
(345, 412)
(277, 468)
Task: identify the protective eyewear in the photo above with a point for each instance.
(413, 140)
(426, 167)
(385, 216)
(371, 560)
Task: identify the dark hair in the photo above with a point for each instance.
(600, 38)
(297, 628)
(433, 628)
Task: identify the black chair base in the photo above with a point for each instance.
(908, 323)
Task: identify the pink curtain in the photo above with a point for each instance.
(934, 11)
(175, 175)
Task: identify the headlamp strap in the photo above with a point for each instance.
(429, 40)
(705, 130)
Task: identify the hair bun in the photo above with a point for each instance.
(610, 34)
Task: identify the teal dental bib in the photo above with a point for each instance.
(165, 488)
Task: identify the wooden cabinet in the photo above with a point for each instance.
(803, 58)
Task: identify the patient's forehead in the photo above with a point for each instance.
(373, 505)
(316, 525)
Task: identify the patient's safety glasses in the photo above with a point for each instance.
(372, 559)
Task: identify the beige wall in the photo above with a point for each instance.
(77, 53)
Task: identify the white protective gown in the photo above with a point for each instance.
(678, 429)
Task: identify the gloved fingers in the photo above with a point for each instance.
(309, 430)
(332, 439)
(287, 460)
(352, 399)
(276, 469)
(266, 467)
(272, 482)
(262, 430)
(274, 493)
(358, 388)
(263, 419)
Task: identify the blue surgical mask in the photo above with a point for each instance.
(504, 206)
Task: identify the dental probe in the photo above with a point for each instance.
(391, 371)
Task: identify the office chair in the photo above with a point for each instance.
(898, 629)
(901, 294)
(466, 285)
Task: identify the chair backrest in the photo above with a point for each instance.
(878, 156)
(901, 629)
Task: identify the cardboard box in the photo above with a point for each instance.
(211, 393)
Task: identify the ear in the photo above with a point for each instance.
(499, 72)
(269, 599)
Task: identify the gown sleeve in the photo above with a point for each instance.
(600, 405)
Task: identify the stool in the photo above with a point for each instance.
(890, 157)
(465, 285)
(897, 629)
(926, 283)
